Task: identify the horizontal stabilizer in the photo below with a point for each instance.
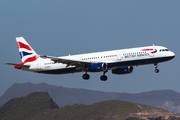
(17, 64)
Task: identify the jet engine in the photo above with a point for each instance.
(123, 70)
(97, 67)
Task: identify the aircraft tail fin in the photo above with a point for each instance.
(27, 54)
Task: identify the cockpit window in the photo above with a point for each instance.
(162, 50)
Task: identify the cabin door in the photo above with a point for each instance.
(38, 65)
(119, 56)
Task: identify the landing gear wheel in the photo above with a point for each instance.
(85, 76)
(156, 70)
(103, 78)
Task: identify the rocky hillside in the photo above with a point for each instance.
(23, 108)
(39, 106)
(165, 99)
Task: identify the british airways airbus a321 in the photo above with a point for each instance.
(118, 61)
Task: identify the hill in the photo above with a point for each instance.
(166, 99)
(23, 108)
(39, 106)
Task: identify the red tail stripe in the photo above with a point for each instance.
(22, 45)
(31, 59)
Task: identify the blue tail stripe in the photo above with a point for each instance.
(22, 54)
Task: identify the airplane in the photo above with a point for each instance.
(118, 61)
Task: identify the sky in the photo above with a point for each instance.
(62, 27)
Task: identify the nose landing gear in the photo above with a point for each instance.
(156, 70)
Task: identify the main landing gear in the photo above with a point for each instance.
(156, 70)
(87, 76)
(103, 77)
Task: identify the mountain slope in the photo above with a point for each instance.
(33, 104)
(166, 99)
(111, 110)
(39, 106)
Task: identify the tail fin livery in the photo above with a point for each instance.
(26, 52)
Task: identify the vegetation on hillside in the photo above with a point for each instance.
(165, 99)
(39, 106)
(28, 107)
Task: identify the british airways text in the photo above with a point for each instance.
(137, 55)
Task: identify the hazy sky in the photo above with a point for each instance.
(62, 27)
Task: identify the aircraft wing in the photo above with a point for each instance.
(70, 62)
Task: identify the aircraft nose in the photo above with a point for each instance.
(173, 54)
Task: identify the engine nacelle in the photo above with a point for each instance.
(123, 70)
(97, 67)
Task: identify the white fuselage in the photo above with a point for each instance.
(118, 61)
(114, 59)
